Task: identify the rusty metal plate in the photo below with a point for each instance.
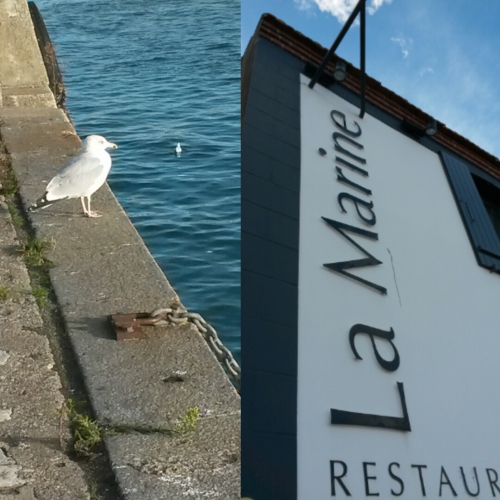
(129, 326)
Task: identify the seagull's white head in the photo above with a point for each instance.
(96, 142)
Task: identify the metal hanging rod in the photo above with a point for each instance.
(361, 10)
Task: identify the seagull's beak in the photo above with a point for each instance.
(112, 145)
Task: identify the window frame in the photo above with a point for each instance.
(482, 235)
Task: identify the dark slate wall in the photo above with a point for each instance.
(270, 182)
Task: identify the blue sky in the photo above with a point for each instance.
(441, 55)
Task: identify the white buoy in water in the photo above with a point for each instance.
(178, 149)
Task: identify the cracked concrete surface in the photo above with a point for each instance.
(32, 463)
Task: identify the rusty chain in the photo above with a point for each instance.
(179, 316)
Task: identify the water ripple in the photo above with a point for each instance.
(148, 75)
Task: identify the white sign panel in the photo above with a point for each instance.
(399, 329)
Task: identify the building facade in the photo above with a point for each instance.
(370, 289)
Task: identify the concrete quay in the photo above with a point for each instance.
(31, 455)
(101, 267)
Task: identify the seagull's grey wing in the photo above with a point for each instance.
(75, 177)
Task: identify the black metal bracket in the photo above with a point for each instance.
(325, 78)
(416, 131)
(361, 10)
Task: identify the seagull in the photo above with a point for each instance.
(178, 149)
(81, 176)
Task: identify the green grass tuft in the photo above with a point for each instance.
(5, 293)
(40, 295)
(10, 186)
(34, 253)
(86, 432)
(94, 491)
(14, 214)
(188, 422)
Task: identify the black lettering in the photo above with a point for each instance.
(357, 201)
(396, 478)
(334, 478)
(343, 126)
(447, 482)
(422, 485)
(367, 478)
(340, 267)
(465, 482)
(390, 366)
(342, 417)
(342, 178)
(340, 149)
(493, 482)
(361, 171)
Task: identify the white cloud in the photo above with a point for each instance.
(303, 4)
(341, 9)
(376, 4)
(423, 71)
(404, 44)
(453, 92)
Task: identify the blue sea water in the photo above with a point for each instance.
(147, 75)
